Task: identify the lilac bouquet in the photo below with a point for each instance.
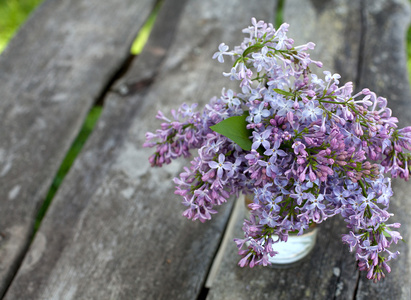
(306, 147)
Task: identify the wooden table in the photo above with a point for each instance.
(114, 229)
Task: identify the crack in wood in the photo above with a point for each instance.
(357, 283)
(128, 89)
(361, 49)
(220, 249)
(122, 70)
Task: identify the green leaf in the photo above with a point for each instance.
(285, 93)
(386, 234)
(253, 48)
(235, 129)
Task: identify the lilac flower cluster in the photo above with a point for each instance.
(316, 150)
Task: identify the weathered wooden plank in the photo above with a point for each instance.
(115, 229)
(384, 70)
(334, 26)
(51, 73)
(361, 55)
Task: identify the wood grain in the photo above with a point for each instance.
(115, 230)
(51, 73)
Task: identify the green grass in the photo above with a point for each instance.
(144, 33)
(279, 14)
(13, 13)
(68, 161)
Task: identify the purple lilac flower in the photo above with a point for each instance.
(274, 151)
(317, 150)
(221, 165)
(259, 112)
(299, 195)
(284, 107)
(271, 168)
(311, 111)
(261, 139)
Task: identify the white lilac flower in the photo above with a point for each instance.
(261, 60)
(331, 78)
(284, 107)
(230, 99)
(317, 81)
(222, 50)
(188, 110)
(311, 111)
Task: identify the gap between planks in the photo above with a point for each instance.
(238, 212)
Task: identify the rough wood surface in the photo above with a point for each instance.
(384, 71)
(51, 73)
(364, 42)
(115, 230)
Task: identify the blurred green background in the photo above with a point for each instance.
(13, 13)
